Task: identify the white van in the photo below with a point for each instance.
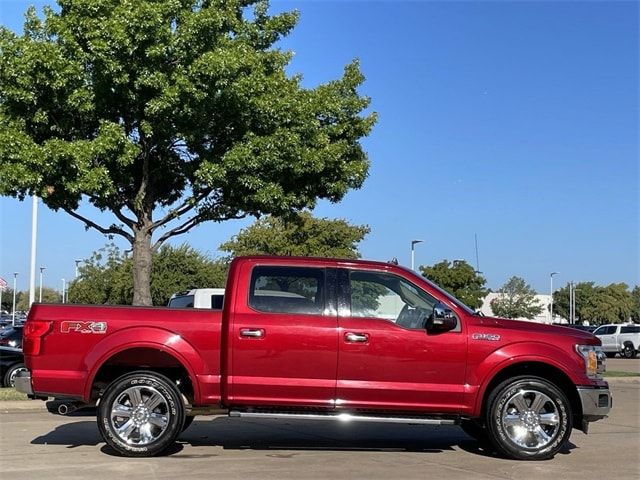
(211, 298)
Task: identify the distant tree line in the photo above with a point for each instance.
(105, 278)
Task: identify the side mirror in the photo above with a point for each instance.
(442, 319)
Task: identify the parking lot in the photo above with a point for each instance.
(36, 444)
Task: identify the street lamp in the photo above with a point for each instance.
(63, 289)
(42, 269)
(78, 262)
(551, 306)
(13, 309)
(413, 253)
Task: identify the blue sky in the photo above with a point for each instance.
(517, 121)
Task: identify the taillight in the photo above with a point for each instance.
(34, 331)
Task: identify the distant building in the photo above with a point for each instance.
(543, 300)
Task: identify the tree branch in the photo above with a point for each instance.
(188, 225)
(112, 230)
(174, 213)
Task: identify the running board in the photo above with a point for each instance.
(344, 417)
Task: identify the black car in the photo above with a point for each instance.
(11, 357)
(11, 337)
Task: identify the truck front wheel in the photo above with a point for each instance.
(141, 414)
(528, 418)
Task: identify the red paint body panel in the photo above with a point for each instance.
(301, 360)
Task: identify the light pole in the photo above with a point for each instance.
(63, 289)
(551, 302)
(34, 231)
(13, 309)
(78, 262)
(413, 253)
(42, 269)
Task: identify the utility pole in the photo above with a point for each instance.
(13, 309)
(34, 232)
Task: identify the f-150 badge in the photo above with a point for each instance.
(83, 327)
(492, 337)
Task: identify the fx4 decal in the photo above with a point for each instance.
(83, 327)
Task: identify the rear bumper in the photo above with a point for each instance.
(596, 403)
(23, 382)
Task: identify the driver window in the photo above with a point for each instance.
(389, 297)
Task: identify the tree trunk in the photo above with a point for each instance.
(142, 268)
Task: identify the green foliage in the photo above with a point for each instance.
(300, 235)
(49, 295)
(635, 296)
(170, 113)
(613, 303)
(516, 299)
(106, 277)
(459, 279)
(7, 299)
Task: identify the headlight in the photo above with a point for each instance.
(594, 360)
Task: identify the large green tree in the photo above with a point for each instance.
(300, 234)
(458, 278)
(170, 113)
(516, 299)
(105, 278)
(635, 296)
(596, 304)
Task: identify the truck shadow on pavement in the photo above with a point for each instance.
(235, 434)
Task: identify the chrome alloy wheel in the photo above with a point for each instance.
(140, 415)
(14, 374)
(530, 419)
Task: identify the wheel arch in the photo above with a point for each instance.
(534, 368)
(162, 351)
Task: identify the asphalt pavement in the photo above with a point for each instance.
(36, 444)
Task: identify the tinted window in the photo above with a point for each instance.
(287, 290)
(605, 330)
(631, 329)
(217, 302)
(183, 301)
(389, 297)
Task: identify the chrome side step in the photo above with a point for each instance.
(344, 417)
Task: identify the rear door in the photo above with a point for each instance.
(284, 338)
(387, 360)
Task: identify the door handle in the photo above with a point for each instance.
(352, 337)
(252, 332)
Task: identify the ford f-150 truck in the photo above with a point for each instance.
(320, 339)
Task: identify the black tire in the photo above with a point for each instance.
(9, 376)
(476, 430)
(141, 414)
(528, 418)
(628, 351)
(187, 422)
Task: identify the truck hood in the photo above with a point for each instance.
(540, 328)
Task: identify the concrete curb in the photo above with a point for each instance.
(13, 405)
(615, 380)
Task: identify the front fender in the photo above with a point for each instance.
(141, 337)
(524, 352)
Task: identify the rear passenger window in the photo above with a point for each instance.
(632, 329)
(287, 290)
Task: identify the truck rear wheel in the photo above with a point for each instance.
(141, 414)
(528, 418)
(628, 351)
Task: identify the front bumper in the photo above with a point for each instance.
(596, 403)
(23, 382)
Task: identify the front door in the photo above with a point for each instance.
(386, 359)
(284, 339)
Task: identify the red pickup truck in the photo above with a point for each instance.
(320, 339)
